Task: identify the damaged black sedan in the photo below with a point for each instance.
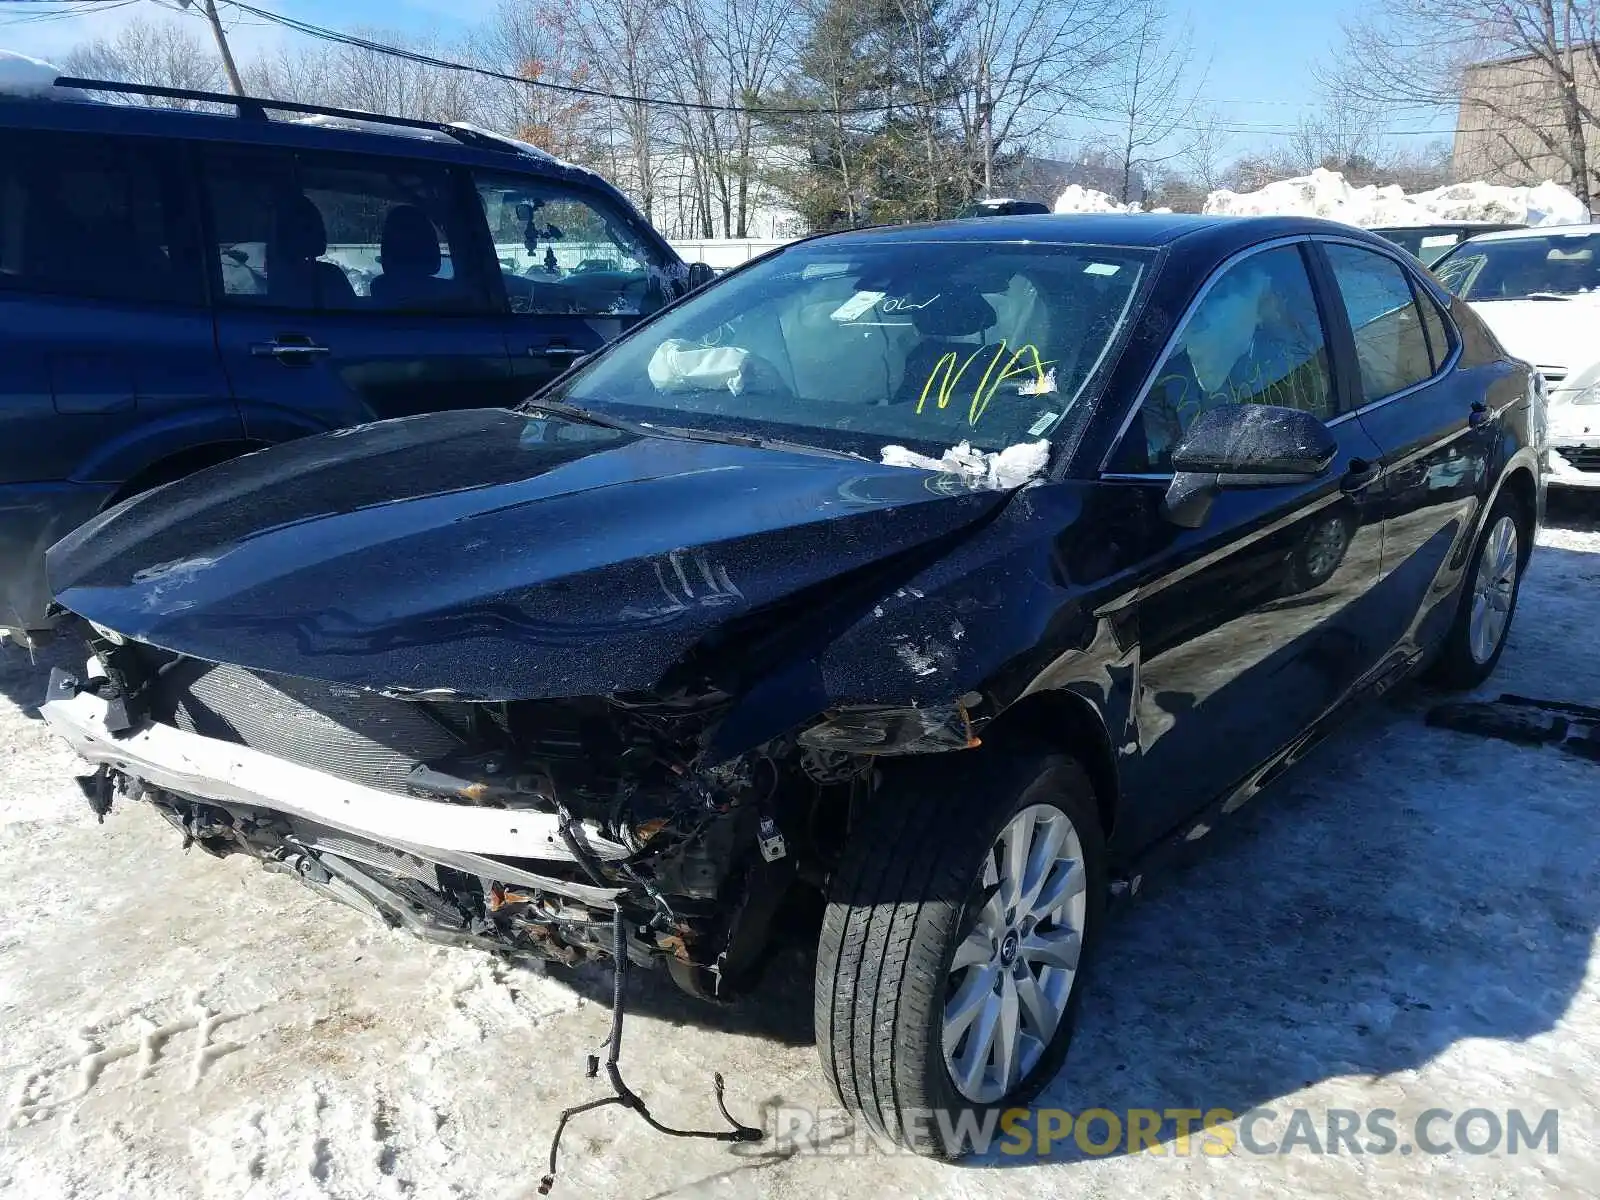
(949, 571)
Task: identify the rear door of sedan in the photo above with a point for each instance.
(1433, 424)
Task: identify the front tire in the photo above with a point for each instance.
(1490, 587)
(952, 953)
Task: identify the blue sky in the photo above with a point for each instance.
(1261, 51)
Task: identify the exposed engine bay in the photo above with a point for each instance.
(698, 859)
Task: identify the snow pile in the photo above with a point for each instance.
(1328, 194)
(1079, 199)
(998, 470)
(24, 76)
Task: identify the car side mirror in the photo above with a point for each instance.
(700, 274)
(1244, 445)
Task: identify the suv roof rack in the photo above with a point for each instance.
(257, 107)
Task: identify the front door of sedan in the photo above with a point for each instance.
(1250, 627)
(1435, 444)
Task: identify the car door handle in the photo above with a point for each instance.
(1480, 415)
(298, 351)
(557, 350)
(1360, 474)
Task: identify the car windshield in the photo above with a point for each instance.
(854, 346)
(1520, 268)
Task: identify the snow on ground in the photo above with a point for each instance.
(1079, 199)
(1407, 920)
(1328, 194)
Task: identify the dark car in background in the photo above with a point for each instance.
(1001, 206)
(180, 287)
(1429, 243)
(953, 572)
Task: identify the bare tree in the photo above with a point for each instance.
(152, 53)
(1026, 64)
(755, 39)
(1419, 168)
(535, 39)
(370, 80)
(1342, 136)
(1523, 75)
(1204, 158)
(621, 40)
(1152, 92)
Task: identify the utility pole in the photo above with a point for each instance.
(209, 7)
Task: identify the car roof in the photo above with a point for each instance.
(1540, 231)
(1224, 234)
(308, 128)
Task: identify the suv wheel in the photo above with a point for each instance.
(957, 927)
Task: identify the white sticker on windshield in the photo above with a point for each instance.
(1044, 422)
(855, 306)
(1101, 269)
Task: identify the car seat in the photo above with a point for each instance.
(410, 258)
(949, 324)
(296, 275)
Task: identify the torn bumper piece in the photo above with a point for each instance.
(204, 768)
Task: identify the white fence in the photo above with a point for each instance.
(722, 253)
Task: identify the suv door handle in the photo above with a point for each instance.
(1359, 474)
(297, 351)
(557, 350)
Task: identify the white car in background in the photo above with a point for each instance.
(1539, 290)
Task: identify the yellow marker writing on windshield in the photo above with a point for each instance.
(952, 376)
(946, 376)
(980, 400)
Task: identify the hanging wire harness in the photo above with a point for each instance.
(624, 1095)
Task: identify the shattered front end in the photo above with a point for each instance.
(522, 827)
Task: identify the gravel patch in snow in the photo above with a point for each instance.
(1406, 920)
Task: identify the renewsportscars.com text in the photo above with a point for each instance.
(1180, 1132)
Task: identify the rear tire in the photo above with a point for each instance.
(1489, 590)
(925, 878)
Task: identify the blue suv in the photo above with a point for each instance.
(180, 287)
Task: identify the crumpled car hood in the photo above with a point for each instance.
(499, 555)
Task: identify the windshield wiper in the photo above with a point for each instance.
(750, 439)
(559, 408)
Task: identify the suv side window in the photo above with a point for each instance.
(322, 232)
(92, 216)
(1391, 347)
(1255, 337)
(562, 251)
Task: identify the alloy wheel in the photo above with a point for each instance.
(1014, 968)
(1493, 590)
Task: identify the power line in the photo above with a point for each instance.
(58, 10)
(428, 60)
(355, 41)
